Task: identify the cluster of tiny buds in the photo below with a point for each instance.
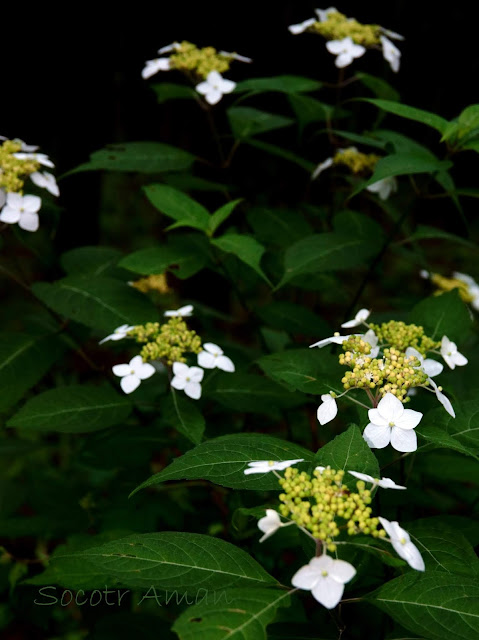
(338, 26)
(356, 161)
(188, 58)
(14, 170)
(400, 335)
(324, 506)
(154, 282)
(168, 342)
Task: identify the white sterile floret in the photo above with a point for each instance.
(359, 318)
(174, 46)
(182, 312)
(337, 339)
(153, 66)
(451, 355)
(428, 365)
(133, 373)
(325, 578)
(391, 53)
(119, 333)
(265, 466)
(384, 187)
(392, 423)
(296, 29)
(41, 158)
(384, 483)
(402, 544)
(444, 400)
(235, 56)
(371, 338)
(46, 181)
(328, 409)
(323, 14)
(212, 356)
(214, 87)
(21, 209)
(321, 167)
(345, 50)
(187, 379)
(269, 524)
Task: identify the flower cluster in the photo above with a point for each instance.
(348, 39)
(466, 285)
(19, 162)
(361, 164)
(154, 282)
(202, 66)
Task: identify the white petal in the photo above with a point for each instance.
(328, 410)
(409, 419)
(9, 215)
(212, 348)
(146, 371)
(180, 369)
(178, 382)
(342, 571)
(121, 370)
(321, 167)
(206, 360)
(110, 337)
(432, 367)
(377, 419)
(305, 578)
(136, 363)
(326, 341)
(390, 407)
(227, 86)
(362, 476)
(214, 78)
(193, 390)
(336, 46)
(32, 203)
(29, 221)
(357, 50)
(14, 200)
(225, 364)
(412, 556)
(460, 360)
(377, 437)
(328, 592)
(185, 311)
(213, 96)
(343, 60)
(387, 483)
(295, 29)
(269, 524)
(403, 440)
(203, 88)
(130, 383)
(196, 374)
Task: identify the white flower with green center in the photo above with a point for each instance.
(269, 524)
(301, 27)
(153, 66)
(361, 316)
(430, 367)
(213, 357)
(41, 158)
(187, 379)
(391, 53)
(345, 51)
(384, 187)
(451, 355)
(265, 466)
(402, 544)
(46, 181)
(119, 333)
(327, 410)
(336, 339)
(215, 87)
(384, 483)
(325, 578)
(392, 423)
(133, 373)
(22, 210)
(182, 312)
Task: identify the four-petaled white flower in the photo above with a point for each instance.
(328, 409)
(428, 365)
(402, 544)
(391, 53)
(444, 400)
(21, 209)
(133, 373)
(265, 466)
(384, 483)
(392, 423)
(269, 524)
(119, 333)
(153, 66)
(212, 356)
(325, 578)
(182, 312)
(359, 318)
(451, 355)
(214, 87)
(187, 379)
(384, 187)
(337, 339)
(301, 27)
(46, 181)
(41, 158)
(345, 50)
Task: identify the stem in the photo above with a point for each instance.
(319, 548)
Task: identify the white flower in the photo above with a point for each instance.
(392, 423)
(214, 87)
(174, 46)
(327, 410)
(384, 483)
(133, 373)
(187, 379)
(325, 578)
(345, 50)
(269, 524)
(323, 14)
(463, 277)
(296, 29)
(391, 53)
(265, 466)
(212, 356)
(321, 167)
(21, 209)
(235, 56)
(383, 187)
(428, 365)
(451, 355)
(444, 400)
(392, 34)
(41, 158)
(153, 66)
(118, 333)
(182, 312)
(402, 544)
(359, 318)
(337, 339)
(46, 181)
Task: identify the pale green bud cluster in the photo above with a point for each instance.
(13, 171)
(356, 161)
(324, 506)
(190, 59)
(168, 342)
(400, 335)
(338, 26)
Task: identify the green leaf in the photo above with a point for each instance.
(424, 232)
(246, 248)
(361, 139)
(93, 261)
(437, 605)
(466, 123)
(223, 461)
(282, 153)
(379, 87)
(293, 318)
(443, 315)
(74, 409)
(350, 452)
(278, 227)
(460, 433)
(168, 91)
(284, 84)
(184, 416)
(309, 110)
(240, 614)
(358, 226)
(24, 360)
(101, 303)
(221, 214)
(246, 121)
(142, 157)
(177, 205)
(411, 113)
(252, 394)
